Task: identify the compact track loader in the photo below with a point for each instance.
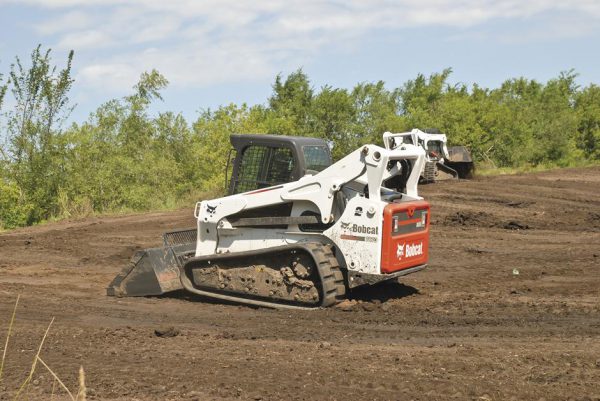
(296, 230)
(442, 162)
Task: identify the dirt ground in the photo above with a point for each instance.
(509, 308)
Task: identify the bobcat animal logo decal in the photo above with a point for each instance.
(400, 251)
(211, 209)
(345, 226)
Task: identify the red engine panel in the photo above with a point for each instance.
(405, 236)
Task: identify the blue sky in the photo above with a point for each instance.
(221, 51)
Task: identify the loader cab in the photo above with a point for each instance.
(435, 149)
(434, 143)
(263, 161)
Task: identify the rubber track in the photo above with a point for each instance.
(333, 285)
(429, 172)
(334, 289)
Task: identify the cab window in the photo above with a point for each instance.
(317, 158)
(262, 167)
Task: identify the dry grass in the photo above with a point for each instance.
(82, 390)
(23, 389)
(34, 363)
(10, 326)
(56, 380)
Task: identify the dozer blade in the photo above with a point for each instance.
(154, 271)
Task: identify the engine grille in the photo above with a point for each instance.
(180, 237)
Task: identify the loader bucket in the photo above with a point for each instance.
(460, 160)
(153, 271)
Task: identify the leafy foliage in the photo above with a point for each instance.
(124, 158)
(32, 162)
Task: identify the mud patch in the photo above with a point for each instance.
(594, 219)
(167, 332)
(520, 204)
(515, 225)
(468, 218)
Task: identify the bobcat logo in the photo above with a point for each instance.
(400, 251)
(211, 209)
(345, 226)
(409, 250)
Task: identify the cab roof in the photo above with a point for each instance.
(240, 141)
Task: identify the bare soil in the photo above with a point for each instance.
(509, 308)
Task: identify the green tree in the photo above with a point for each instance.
(555, 128)
(423, 93)
(3, 89)
(587, 108)
(123, 159)
(291, 104)
(376, 111)
(41, 99)
(13, 212)
(212, 131)
(333, 115)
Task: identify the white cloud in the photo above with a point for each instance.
(202, 42)
(67, 22)
(107, 76)
(85, 40)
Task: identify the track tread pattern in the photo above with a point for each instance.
(332, 283)
(334, 289)
(429, 172)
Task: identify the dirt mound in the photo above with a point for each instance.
(498, 304)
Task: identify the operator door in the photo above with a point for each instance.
(261, 166)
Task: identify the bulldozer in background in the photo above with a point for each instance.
(296, 230)
(442, 162)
